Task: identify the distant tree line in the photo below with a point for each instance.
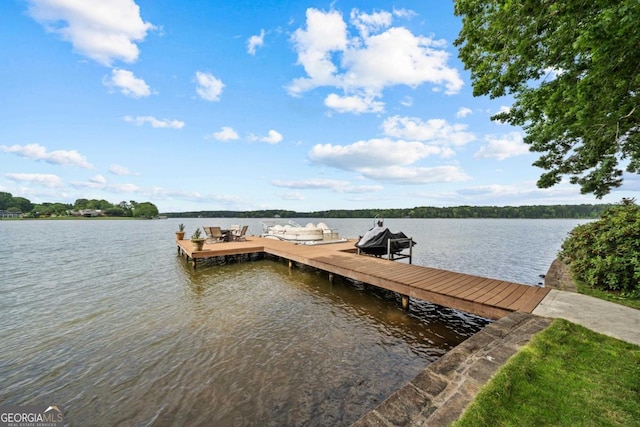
(24, 206)
(533, 211)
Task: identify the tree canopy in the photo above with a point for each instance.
(123, 209)
(18, 204)
(572, 68)
(145, 210)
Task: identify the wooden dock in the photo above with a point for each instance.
(482, 296)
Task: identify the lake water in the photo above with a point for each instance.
(104, 319)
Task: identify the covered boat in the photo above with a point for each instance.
(310, 234)
(380, 241)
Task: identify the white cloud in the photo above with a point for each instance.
(359, 189)
(255, 42)
(325, 33)
(353, 104)
(404, 13)
(125, 188)
(370, 154)
(337, 186)
(209, 87)
(120, 170)
(502, 147)
(313, 184)
(46, 180)
(178, 194)
(367, 23)
(102, 31)
(363, 66)
(225, 134)
(128, 84)
(416, 175)
(292, 196)
(98, 179)
(156, 123)
(389, 160)
(435, 131)
(96, 182)
(463, 112)
(273, 137)
(407, 101)
(498, 190)
(110, 188)
(520, 193)
(57, 157)
(398, 57)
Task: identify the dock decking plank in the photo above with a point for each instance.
(449, 285)
(483, 296)
(462, 290)
(481, 288)
(528, 305)
(450, 281)
(514, 296)
(504, 292)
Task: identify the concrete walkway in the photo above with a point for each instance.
(598, 315)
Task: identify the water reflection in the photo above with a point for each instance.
(312, 352)
(440, 326)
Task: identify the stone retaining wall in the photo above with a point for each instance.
(439, 395)
(559, 277)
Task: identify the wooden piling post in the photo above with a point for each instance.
(290, 264)
(405, 302)
(331, 278)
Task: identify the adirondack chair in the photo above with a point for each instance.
(214, 234)
(238, 235)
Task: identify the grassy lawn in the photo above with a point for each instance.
(566, 375)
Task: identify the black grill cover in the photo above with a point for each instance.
(377, 245)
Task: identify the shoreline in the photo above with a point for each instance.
(441, 393)
(72, 218)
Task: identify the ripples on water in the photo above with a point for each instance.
(104, 319)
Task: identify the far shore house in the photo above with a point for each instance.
(7, 214)
(88, 213)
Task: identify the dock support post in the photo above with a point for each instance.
(331, 278)
(290, 264)
(193, 262)
(411, 251)
(405, 302)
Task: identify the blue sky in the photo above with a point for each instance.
(242, 105)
